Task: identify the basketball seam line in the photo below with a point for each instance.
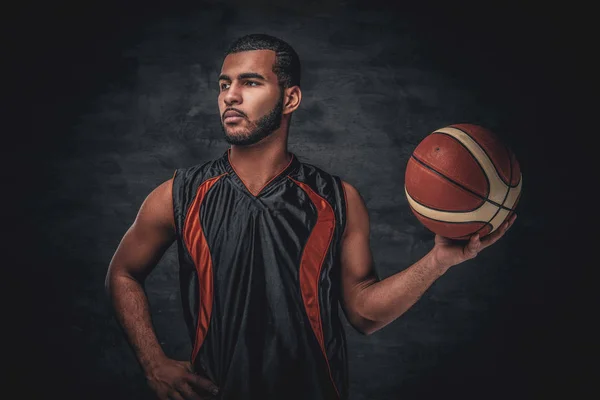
(507, 189)
(457, 222)
(442, 209)
(486, 153)
(472, 156)
(511, 155)
(495, 168)
(461, 186)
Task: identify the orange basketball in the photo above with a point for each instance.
(461, 180)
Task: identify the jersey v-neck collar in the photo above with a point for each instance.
(282, 175)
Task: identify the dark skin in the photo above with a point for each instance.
(151, 234)
(368, 303)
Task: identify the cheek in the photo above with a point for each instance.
(265, 102)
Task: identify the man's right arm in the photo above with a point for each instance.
(144, 243)
(142, 246)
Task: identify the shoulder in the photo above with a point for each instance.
(160, 197)
(357, 213)
(157, 208)
(350, 190)
(353, 196)
(163, 191)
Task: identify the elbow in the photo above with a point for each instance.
(365, 323)
(363, 331)
(367, 329)
(359, 321)
(365, 326)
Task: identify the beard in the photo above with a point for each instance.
(258, 130)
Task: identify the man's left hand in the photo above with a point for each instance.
(448, 252)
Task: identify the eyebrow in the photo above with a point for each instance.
(245, 75)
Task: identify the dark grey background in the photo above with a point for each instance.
(115, 97)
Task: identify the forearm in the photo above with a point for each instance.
(133, 315)
(381, 302)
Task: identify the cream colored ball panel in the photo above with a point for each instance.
(498, 188)
(481, 214)
(513, 194)
(498, 219)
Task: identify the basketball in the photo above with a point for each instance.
(461, 180)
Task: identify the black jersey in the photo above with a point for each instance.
(260, 280)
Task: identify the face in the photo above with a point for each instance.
(250, 99)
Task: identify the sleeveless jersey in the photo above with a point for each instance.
(260, 280)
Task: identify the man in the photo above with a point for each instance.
(268, 247)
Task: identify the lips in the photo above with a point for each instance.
(232, 114)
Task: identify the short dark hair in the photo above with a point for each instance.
(287, 62)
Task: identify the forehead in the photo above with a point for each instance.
(260, 61)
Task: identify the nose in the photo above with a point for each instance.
(233, 95)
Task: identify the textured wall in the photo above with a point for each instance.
(126, 95)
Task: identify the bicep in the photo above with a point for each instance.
(150, 235)
(356, 257)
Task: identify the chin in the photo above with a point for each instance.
(238, 139)
(237, 134)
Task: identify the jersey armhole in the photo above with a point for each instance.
(344, 207)
(176, 204)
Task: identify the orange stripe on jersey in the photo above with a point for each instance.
(312, 261)
(198, 248)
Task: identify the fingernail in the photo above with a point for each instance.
(215, 391)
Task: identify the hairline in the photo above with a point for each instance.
(273, 67)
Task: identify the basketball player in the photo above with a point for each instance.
(268, 246)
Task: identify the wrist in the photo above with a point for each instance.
(438, 262)
(150, 364)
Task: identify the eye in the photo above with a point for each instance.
(252, 83)
(224, 86)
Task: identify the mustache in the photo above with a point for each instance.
(235, 110)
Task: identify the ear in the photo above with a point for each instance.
(291, 99)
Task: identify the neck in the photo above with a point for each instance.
(257, 164)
